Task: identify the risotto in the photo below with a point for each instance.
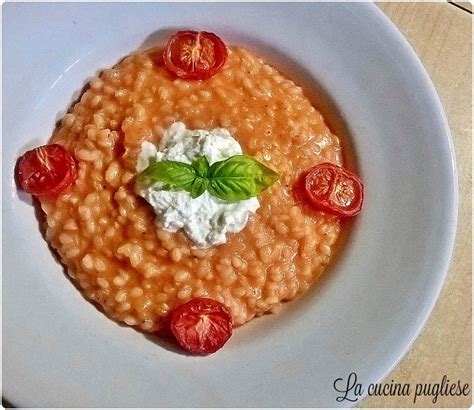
(106, 234)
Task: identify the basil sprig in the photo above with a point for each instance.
(234, 179)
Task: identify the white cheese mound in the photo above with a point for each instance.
(205, 219)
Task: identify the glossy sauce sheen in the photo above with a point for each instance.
(106, 234)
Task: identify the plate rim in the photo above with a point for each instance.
(450, 242)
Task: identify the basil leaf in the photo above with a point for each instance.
(201, 165)
(239, 177)
(198, 187)
(174, 175)
(236, 178)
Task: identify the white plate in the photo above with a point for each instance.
(60, 351)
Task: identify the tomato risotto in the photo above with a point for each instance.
(112, 241)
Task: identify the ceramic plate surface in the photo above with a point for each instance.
(60, 351)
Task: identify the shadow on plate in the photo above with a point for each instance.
(163, 338)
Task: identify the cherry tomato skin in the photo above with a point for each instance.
(47, 170)
(194, 55)
(201, 326)
(334, 190)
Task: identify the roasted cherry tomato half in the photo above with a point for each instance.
(46, 170)
(334, 190)
(194, 55)
(201, 326)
